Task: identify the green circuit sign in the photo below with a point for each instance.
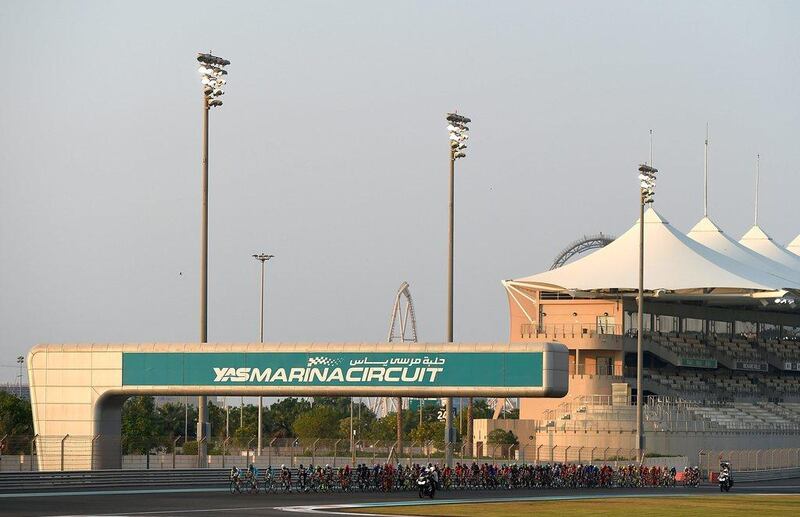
(462, 369)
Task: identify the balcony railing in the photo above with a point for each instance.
(568, 330)
(596, 369)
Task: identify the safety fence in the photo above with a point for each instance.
(72, 453)
(744, 460)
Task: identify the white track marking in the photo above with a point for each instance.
(335, 509)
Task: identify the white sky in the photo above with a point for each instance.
(331, 153)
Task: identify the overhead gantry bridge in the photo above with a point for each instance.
(79, 389)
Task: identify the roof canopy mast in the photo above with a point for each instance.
(705, 176)
(758, 174)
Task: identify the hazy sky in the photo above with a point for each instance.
(331, 152)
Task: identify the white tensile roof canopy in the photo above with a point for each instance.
(757, 240)
(711, 236)
(674, 263)
(794, 246)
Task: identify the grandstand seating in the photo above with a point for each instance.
(723, 384)
(748, 415)
(782, 384)
(784, 350)
(736, 348)
(677, 414)
(683, 345)
(683, 381)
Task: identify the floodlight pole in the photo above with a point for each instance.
(202, 401)
(457, 128)
(212, 88)
(20, 362)
(263, 258)
(352, 435)
(640, 333)
(448, 404)
(646, 193)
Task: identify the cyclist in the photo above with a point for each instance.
(302, 478)
(236, 481)
(286, 478)
(251, 476)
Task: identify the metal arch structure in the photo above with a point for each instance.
(582, 245)
(402, 329)
(402, 315)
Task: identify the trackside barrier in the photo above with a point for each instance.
(746, 460)
(220, 479)
(37, 481)
(766, 475)
(174, 452)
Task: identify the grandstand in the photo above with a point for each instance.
(721, 340)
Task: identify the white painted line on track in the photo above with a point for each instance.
(336, 509)
(135, 491)
(340, 509)
(171, 512)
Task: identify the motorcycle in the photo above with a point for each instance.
(426, 485)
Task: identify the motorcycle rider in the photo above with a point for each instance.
(725, 477)
(434, 475)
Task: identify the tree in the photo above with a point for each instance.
(216, 417)
(360, 426)
(340, 404)
(244, 428)
(171, 419)
(319, 422)
(427, 432)
(384, 428)
(16, 420)
(139, 425)
(501, 437)
(283, 414)
(481, 409)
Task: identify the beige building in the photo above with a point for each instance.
(721, 336)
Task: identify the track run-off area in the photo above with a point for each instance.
(217, 500)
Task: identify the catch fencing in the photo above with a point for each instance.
(747, 460)
(72, 453)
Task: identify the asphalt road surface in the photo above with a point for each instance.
(218, 501)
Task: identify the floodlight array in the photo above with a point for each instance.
(459, 134)
(212, 68)
(647, 183)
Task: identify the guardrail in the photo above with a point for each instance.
(72, 453)
(766, 475)
(109, 479)
(744, 460)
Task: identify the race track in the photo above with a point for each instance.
(184, 501)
